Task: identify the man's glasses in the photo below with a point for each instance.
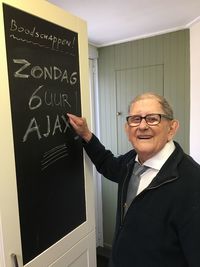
(151, 119)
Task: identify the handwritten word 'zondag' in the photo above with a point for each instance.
(56, 42)
(43, 72)
(59, 125)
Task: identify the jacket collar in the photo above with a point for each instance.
(169, 171)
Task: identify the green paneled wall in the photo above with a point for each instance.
(170, 50)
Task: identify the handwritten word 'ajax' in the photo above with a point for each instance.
(59, 125)
(57, 43)
(26, 70)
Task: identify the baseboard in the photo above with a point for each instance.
(104, 251)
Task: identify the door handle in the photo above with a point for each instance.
(14, 260)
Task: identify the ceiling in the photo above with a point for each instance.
(116, 21)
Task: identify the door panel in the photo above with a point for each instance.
(36, 54)
(85, 249)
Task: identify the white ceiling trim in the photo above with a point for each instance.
(142, 36)
(193, 22)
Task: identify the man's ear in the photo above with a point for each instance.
(174, 125)
(126, 128)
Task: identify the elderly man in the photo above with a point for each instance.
(158, 211)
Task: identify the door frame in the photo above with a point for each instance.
(95, 124)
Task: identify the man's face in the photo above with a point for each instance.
(149, 140)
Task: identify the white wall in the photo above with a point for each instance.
(195, 92)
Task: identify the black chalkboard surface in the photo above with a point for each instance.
(44, 83)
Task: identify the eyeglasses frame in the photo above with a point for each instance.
(144, 117)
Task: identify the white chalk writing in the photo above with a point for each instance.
(59, 125)
(44, 96)
(54, 155)
(57, 43)
(38, 72)
(49, 99)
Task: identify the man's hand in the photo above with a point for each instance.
(80, 126)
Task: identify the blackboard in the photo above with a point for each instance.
(44, 84)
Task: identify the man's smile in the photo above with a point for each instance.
(146, 137)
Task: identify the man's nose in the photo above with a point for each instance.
(143, 124)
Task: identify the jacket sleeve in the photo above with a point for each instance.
(105, 162)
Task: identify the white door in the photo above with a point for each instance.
(46, 187)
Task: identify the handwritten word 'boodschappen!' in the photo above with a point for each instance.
(57, 43)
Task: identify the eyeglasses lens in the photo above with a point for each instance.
(151, 119)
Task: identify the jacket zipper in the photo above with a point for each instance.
(166, 182)
(122, 206)
(148, 188)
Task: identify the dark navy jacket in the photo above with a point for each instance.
(162, 226)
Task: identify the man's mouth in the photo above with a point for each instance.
(144, 137)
